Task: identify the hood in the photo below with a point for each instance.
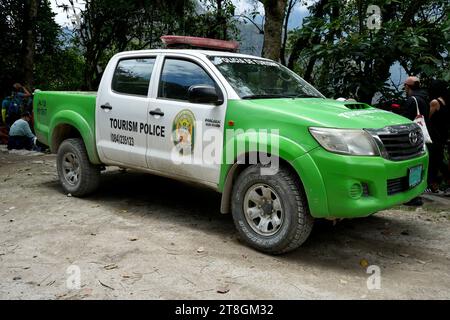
(318, 112)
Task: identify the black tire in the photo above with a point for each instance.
(88, 177)
(296, 224)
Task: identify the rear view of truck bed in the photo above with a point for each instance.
(57, 112)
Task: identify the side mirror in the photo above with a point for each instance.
(205, 94)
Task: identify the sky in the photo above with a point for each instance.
(61, 16)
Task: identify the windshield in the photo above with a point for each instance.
(254, 78)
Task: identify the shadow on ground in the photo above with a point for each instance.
(379, 237)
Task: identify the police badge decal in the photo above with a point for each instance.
(184, 132)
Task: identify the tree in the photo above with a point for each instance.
(273, 27)
(110, 26)
(29, 33)
(343, 53)
(29, 48)
(215, 22)
(290, 6)
(308, 35)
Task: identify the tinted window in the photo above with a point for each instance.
(178, 76)
(132, 76)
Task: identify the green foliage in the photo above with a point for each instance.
(12, 27)
(215, 21)
(61, 71)
(10, 47)
(56, 66)
(107, 27)
(342, 56)
(111, 26)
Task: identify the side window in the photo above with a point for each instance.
(178, 76)
(132, 76)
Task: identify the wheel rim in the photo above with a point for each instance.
(71, 168)
(263, 210)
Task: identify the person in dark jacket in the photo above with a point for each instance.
(439, 126)
(414, 93)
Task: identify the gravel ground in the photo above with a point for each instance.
(146, 237)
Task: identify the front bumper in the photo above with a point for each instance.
(330, 181)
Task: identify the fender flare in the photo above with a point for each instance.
(71, 118)
(288, 151)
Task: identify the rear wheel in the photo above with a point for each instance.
(78, 176)
(270, 211)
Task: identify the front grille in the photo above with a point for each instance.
(398, 185)
(400, 142)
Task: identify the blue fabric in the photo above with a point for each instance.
(19, 96)
(19, 143)
(5, 103)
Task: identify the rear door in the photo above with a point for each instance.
(122, 107)
(192, 139)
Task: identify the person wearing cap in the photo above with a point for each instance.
(20, 135)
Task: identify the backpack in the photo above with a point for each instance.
(13, 110)
(16, 104)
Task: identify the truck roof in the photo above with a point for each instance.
(194, 52)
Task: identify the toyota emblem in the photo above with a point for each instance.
(413, 137)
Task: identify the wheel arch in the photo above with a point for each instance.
(236, 169)
(68, 124)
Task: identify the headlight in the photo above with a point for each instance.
(346, 141)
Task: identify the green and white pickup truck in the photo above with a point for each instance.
(280, 153)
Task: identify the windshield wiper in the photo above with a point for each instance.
(303, 95)
(274, 96)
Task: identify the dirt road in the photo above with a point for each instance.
(144, 237)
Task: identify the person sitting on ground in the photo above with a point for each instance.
(20, 135)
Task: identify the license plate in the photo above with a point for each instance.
(415, 176)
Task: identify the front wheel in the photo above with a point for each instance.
(270, 211)
(78, 176)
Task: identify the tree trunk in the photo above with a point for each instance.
(309, 69)
(31, 7)
(273, 27)
(221, 21)
(289, 8)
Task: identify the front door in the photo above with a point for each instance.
(122, 111)
(191, 145)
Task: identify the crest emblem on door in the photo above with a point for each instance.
(183, 132)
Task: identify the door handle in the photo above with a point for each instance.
(106, 106)
(157, 112)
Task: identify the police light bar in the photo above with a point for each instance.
(199, 43)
